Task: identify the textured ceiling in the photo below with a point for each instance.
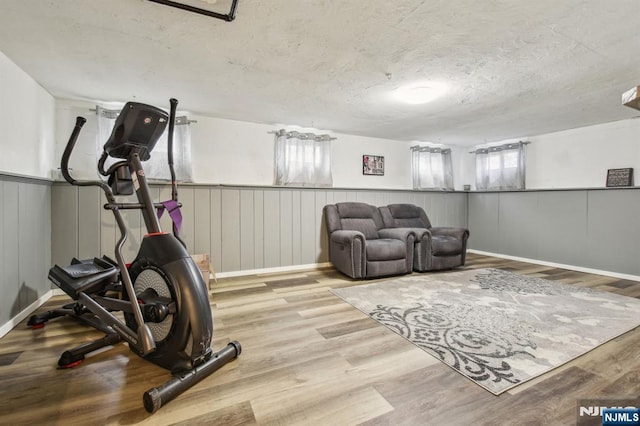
(515, 68)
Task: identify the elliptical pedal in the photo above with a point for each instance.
(84, 276)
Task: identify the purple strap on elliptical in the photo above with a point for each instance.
(173, 209)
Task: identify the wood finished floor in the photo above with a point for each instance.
(308, 358)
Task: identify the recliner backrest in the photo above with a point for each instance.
(360, 217)
(408, 216)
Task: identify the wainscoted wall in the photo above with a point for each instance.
(242, 228)
(246, 228)
(590, 228)
(25, 245)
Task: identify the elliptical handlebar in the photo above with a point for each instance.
(172, 123)
(64, 164)
(66, 155)
(174, 184)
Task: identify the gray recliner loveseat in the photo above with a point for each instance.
(360, 247)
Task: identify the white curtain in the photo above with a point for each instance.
(501, 167)
(431, 168)
(157, 167)
(302, 159)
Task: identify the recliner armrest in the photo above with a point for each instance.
(346, 237)
(397, 233)
(461, 233)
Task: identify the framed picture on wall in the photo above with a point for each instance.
(373, 165)
(619, 177)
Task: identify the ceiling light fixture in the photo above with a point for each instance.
(631, 98)
(420, 93)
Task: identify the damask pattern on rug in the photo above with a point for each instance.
(457, 340)
(499, 280)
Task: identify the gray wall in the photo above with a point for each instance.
(25, 243)
(591, 228)
(242, 228)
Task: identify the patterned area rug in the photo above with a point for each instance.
(497, 328)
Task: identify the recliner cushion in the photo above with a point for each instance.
(354, 209)
(360, 217)
(366, 226)
(409, 223)
(409, 216)
(404, 211)
(445, 245)
(386, 249)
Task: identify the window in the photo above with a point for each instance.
(157, 166)
(302, 159)
(431, 168)
(501, 167)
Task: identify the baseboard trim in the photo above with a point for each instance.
(274, 270)
(559, 265)
(9, 325)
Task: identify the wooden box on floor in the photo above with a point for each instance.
(202, 260)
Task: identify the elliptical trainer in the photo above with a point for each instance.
(162, 294)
